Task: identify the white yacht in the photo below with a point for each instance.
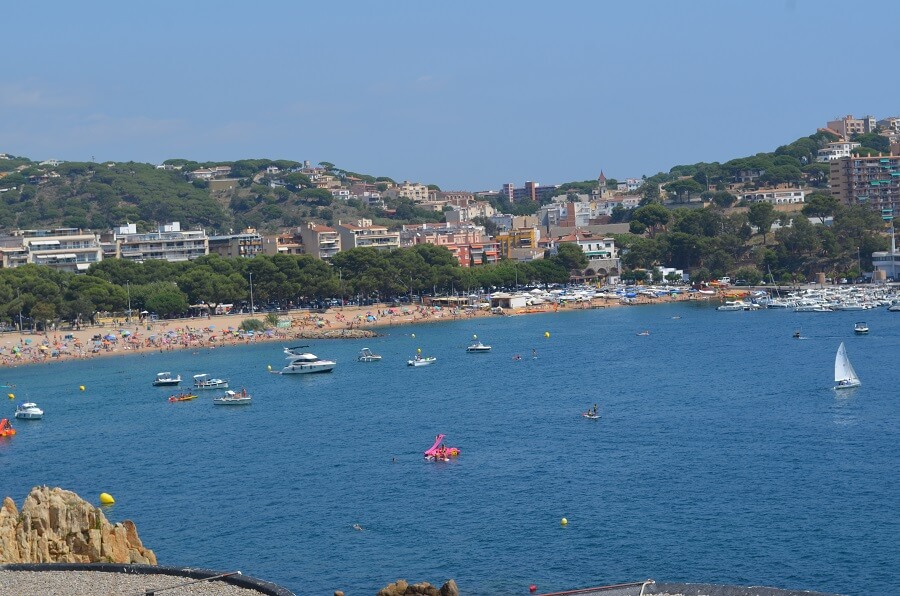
(203, 381)
(165, 379)
(29, 411)
(300, 363)
(232, 398)
(478, 348)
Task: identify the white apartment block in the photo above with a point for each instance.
(362, 234)
(168, 243)
(417, 193)
(775, 196)
(67, 249)
(833, 151)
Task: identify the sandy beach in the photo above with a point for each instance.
(123, 338)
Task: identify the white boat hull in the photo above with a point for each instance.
(422, 362)
(232, 401)
(29, 415)
(308, 368)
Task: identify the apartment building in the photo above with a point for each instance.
(320, 241)
(362, 234)
(66, 249)
(891, 123)
(873, 181)
(248, 244)
(168, 243)
(849, 126)
(833, 151)
(417, 193)
(775, 196)
(518, 243)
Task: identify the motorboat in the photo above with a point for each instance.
(421, 361)
(844, 375)
(233, 398)
(477, 348)
(165, 379)
(860, 328)
(367, 355)
(202, 381)
(305, 363)
(735, 305)
(29, 411)
(183, 397)
(590, 415)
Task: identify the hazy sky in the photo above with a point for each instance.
(463, 94)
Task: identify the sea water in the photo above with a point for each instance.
(722, 453)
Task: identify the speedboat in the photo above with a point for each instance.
(232, 398)
(420, 361)
(305, 363)
(203, 381)
(183, 397)
(478, 347)
(29, 411)
(860, 328)
(367, 355)
(591, 415)
(165, 379)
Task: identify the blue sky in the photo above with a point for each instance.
(465, 94)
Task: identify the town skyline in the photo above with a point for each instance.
(462, 96)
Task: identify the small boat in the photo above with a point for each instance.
(643, 333)
(203, 381)
(300, 363)
(477, 348)
(165, 379)
(420, 361)
(844, 375)
(796, 334)
(29, 411)
(6, 430)
(183, 397)
(860, 328)
(591, 415)
(367, 355)
(232, 398)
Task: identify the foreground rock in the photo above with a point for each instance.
(58, 526)
(401, 587)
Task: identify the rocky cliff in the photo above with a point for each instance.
(58, 526)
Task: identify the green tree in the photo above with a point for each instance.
(762, 215)
(684, 189)
(570, 257)
(654, 217)
(821, 205)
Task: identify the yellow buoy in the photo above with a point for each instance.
(12, 395)
(81, 387)
(106, 499)
(419, 350)
(270, 367)
(563, 521)
(546, 334)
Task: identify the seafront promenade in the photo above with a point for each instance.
(196, 333)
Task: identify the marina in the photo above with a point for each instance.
(731, 456)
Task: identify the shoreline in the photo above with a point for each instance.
(215, 331)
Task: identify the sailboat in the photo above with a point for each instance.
(844, 375)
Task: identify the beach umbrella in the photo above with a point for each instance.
(126, 332)
(110, 337)
(27, 341)
(211, 327)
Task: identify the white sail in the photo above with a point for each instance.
(844, 375)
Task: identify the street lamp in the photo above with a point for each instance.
(128, 289)
(341, 284)
(252, 310)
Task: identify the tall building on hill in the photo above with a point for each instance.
(849, 126)
(872, 181)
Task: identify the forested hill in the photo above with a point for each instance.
(99, 196)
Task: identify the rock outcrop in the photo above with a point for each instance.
(401, 587)
(58, 526)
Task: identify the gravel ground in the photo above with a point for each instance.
(85, 583)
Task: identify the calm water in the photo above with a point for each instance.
(723, 454)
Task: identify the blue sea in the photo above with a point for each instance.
(722, 455)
